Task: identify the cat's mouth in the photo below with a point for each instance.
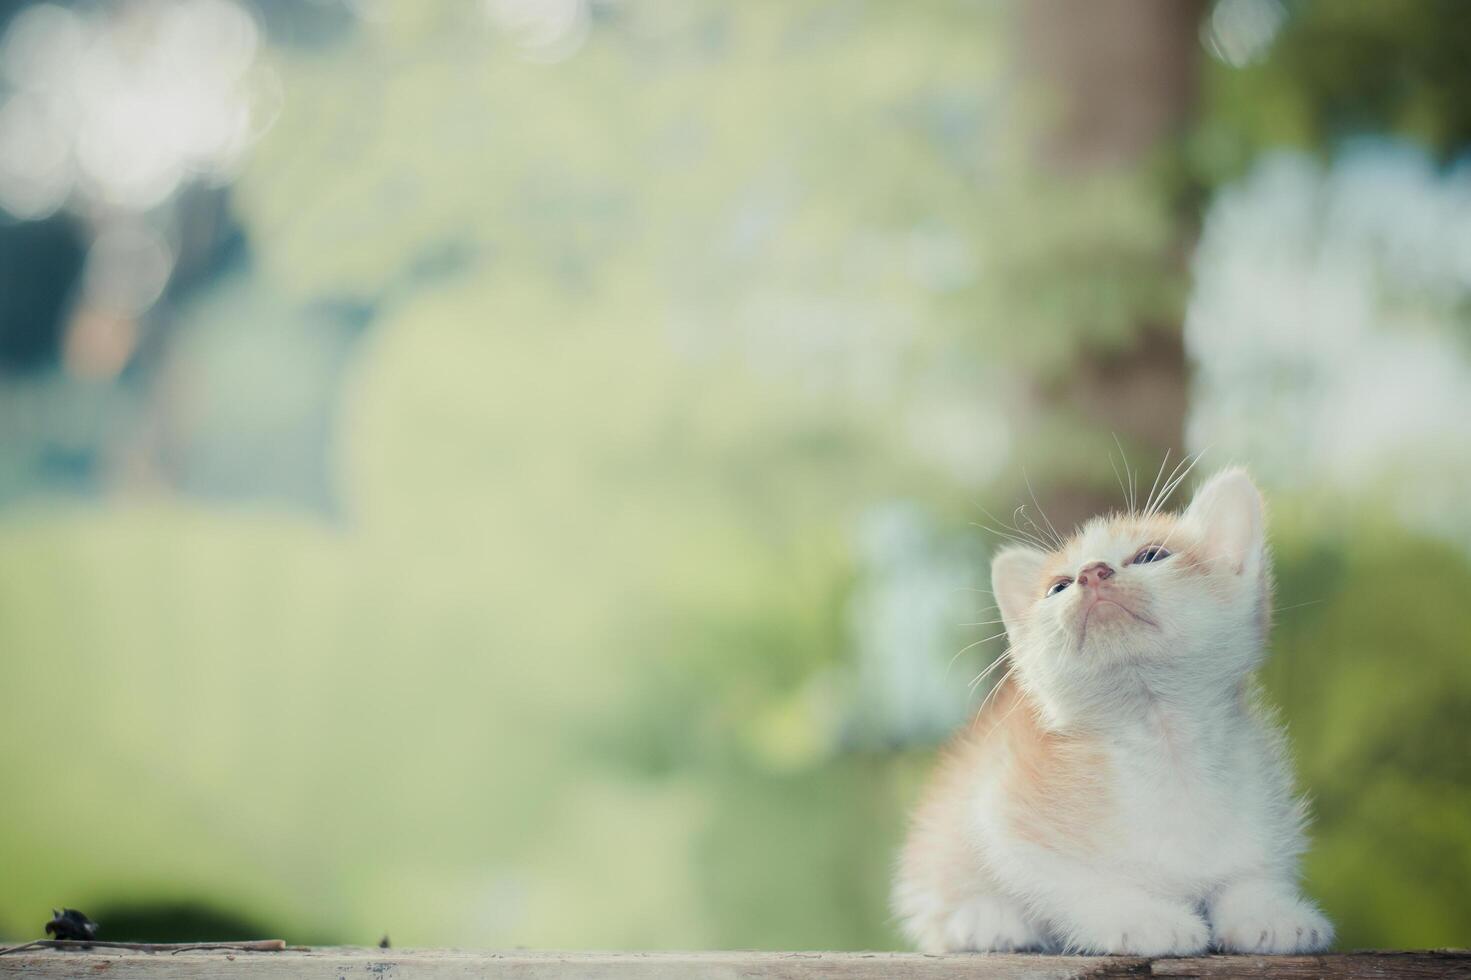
(1099, 600)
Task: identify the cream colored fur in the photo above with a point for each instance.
(1123, 790)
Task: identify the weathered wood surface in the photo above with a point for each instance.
(409, 964)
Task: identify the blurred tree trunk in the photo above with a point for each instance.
(1120, 80)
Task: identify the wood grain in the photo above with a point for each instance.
(408, 964)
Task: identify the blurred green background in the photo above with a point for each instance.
(505, 473)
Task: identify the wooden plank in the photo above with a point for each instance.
(1414, 963)
(365, 964)
(408, 964)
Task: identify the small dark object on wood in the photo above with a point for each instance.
(70, 924)
(384, 943)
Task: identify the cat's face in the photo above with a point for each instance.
(1158, 589)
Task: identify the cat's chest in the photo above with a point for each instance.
(1183, 802)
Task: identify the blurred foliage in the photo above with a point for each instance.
(1342, 69)
(176, 922)
(1369, 667)
(608, 359)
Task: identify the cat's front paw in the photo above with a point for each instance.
(986, 923)
(1140, 927)
(1267, 922)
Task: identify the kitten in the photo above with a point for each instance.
(1123, 791)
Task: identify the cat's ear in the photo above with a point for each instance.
(1228, 510)
(1016, 575)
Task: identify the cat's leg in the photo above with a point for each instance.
(1090, 910)
(947, 902)
(1266, 915)
(945, 897)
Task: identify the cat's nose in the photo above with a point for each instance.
(1095, 572)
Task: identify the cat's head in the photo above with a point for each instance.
(1186, 590)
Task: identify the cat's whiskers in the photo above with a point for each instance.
(1015, 537)
(995, 688)
(1056, 538)
(1299, 605)
(1033, 524)
(1020, 534)
(1131, 494)
(975, 681)
(1035, 534)
(1172, 483)
(1003, 719)
(1153, 486)
(971, 646)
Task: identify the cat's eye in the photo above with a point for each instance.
(1149, 553)
(1058, 586)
